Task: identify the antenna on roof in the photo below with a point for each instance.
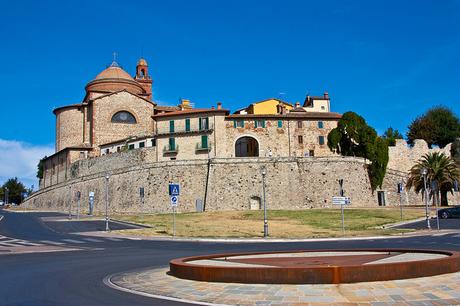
(114, 56)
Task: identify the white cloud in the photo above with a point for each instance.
(20, 159)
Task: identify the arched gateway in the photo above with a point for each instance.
(246, 147)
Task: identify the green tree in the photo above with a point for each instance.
(353, 137)
(440, 168)
(438, 126)
(390, 136)
(15, 190)
(40, 167)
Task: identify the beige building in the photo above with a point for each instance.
(118, 113)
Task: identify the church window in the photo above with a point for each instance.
(123, 117)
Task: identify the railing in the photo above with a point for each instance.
(165, 131)
(170, 149)
(200, 147)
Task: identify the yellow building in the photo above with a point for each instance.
(264, 107)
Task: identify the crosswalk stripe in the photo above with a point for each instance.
(92, 240)
(27, 243)
(73, 241)
(52, 242)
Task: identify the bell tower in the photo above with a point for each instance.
(143, 77)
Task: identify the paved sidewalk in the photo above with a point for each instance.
(435, 290)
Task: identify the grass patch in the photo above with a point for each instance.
(282, 223)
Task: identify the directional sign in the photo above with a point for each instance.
(341, 200)
(174, 200)
(174, 189)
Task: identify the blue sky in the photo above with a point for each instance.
(386, 60)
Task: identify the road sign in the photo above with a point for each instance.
(456, 186)
(174, 200)
(341, 200)
(174, 189)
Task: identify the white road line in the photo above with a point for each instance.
(73, 241)
(51, 242)
(27, 243)
(456, 236)
(114, 239)
(92, 240)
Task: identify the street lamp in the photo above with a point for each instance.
(6, 195)
(424, 172)
(264, 173)
(107, 203)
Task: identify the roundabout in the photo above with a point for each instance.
(316, 267)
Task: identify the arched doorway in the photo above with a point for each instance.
(246, 147)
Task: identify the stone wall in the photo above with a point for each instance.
(222, 184)
(403, 157)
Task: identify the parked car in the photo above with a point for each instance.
(451, 212)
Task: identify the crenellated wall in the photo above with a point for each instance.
(403, 157)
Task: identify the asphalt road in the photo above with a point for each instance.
(444, 224)
(76, 277)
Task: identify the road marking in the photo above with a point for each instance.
(52, 242)
(114, 239)
(456, 236)
(73, 241)
(27, 243)
(92, 240)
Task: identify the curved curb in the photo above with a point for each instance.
(317, 273)
(108, 282)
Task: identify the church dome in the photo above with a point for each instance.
(114, 71)
(113, 79)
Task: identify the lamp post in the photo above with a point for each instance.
(424, 172)
(6, 195)
(107, 203)
(264, 173)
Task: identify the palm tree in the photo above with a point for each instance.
(440, 168)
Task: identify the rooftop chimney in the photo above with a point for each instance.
(326, 95)
(219, 105)
(297, 104)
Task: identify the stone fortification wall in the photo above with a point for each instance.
(222, 184)
(403, 157)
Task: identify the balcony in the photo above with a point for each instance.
(181, 131)
(167, 149)
(200, 148)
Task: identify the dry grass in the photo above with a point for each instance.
(282, 223)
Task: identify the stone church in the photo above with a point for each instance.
(118, 113)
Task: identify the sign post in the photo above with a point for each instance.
(400, 191)
(78, 204)
(434, 187)
(341, 201)
(91, 203)
(70, 202)
(174, 192)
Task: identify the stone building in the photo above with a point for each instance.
(118, 113)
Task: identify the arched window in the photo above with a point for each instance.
(123, 117)
(246, 147)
